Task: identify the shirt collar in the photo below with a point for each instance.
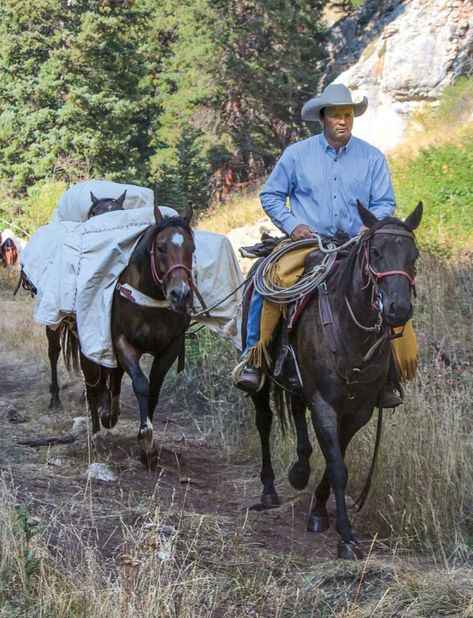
(326, 146)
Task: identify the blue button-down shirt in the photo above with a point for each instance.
(323, 186)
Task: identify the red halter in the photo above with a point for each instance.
(160, 280)
(377, 275)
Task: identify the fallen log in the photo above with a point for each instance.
(48, 440)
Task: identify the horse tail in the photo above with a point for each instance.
(70, 346)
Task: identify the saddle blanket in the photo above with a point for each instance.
(74, 264)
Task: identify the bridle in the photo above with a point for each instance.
(374, 276)
(159, 281)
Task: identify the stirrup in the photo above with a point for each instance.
(236, 374)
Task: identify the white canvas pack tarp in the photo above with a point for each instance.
(74, 264)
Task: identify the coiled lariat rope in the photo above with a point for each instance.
(264, 277)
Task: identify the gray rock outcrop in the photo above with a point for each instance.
(401, 55)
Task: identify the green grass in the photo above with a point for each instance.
(440, 176)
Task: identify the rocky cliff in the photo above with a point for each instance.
(400, 54)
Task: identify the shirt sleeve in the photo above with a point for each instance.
(275, 192)
(382, 202)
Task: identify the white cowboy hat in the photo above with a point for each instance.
(334, 94)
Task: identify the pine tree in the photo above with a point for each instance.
(231, 91)
(70, 99)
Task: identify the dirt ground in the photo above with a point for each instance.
(192, 476)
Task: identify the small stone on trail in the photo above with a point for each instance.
(101, 472)
(79, 422)
(14, 416)
(10, 412)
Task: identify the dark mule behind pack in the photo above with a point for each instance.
(64, 337)
(342, 345)
(150, 314)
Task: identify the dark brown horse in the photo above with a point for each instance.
(341, 343)
(64, 337)
(150, 314)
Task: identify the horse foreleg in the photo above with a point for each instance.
(300, 470)
(129, 358)
(110, 416)
(325, 423)
(159, 368)
(54, 349)
(264, 418)
(318, 518)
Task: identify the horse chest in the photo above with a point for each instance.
(151, 331)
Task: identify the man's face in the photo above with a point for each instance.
(338, 123)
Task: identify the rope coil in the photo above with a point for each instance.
(264, 276)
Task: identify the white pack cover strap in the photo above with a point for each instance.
(138, 298)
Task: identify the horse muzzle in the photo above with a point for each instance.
(397, 314)
(180, 298)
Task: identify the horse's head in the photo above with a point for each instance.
(171, 250)
(8, 253)
(105, 204)
(389, 255)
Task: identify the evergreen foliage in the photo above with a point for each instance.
(70, 105)
(191, 97)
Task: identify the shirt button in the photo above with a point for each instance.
(335, 178)
(334, 197)
(335, 160)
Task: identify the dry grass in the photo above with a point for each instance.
(421, 504)
(234, 213)
(202, 567)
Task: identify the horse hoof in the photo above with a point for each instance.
(150, 460)
(270, 501)
(55, 404)
(349, 550)
(299, 476)
(108, 420)
(318, 523)
(99, 444)
(145, 438)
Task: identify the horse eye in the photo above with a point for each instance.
(162, 249)
(376, 253)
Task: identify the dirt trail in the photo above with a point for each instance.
(192, 474)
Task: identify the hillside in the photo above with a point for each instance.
(434, 164)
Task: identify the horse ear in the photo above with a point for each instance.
(158, 217)
(189, 212)
(413, 220)
(122, 197)
(93, 199)
(367, 217)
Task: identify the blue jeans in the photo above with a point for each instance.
(254, 321)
